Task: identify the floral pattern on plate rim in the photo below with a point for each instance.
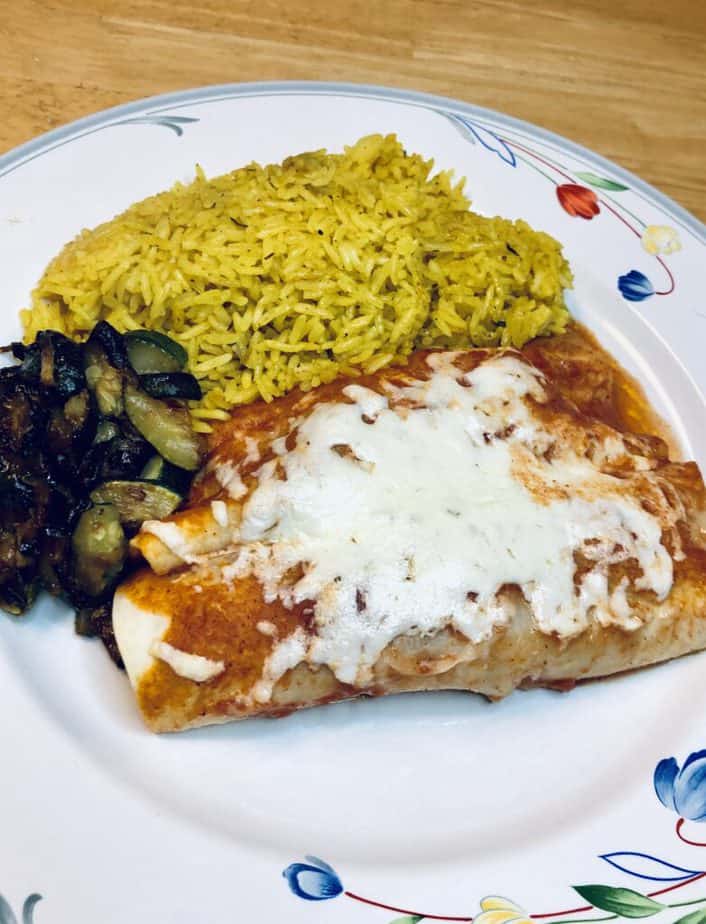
(580, 201)
(682, 790)
(577, 200)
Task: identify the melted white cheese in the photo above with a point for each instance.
(265, 627)
(191, 666)
(285, 656)
(228, 477)
(188, 543)
(173, 537)
(370, 403)
(426, 533)
(220, 512)
(252, 451)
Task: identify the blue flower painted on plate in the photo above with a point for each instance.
(314, 880)
(476, 132)
(635, 286)
(683, 791)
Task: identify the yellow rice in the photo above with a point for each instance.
(285, 275)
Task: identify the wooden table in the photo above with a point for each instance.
(624, 77)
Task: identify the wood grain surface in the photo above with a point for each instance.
(627, 78)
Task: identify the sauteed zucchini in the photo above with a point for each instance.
(94, 439)
(150, 351)
(137, 501)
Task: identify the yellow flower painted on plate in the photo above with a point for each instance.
(498, 910)
(660, 239)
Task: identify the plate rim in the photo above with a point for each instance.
(40, 144)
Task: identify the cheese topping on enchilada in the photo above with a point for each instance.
(191, 666)
(408, 510)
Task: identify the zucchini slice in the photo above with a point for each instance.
(166, 426)
(99, 549)
(171, 385)
(176, 479)
(155, 469)
(150, 351)
(137, 501)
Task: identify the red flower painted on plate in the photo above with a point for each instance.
(577, 200)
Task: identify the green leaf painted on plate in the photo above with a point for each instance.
(600, 182)
(625, 902)
(695, 917)
(408, 919)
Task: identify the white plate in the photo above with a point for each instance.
(421, 804)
